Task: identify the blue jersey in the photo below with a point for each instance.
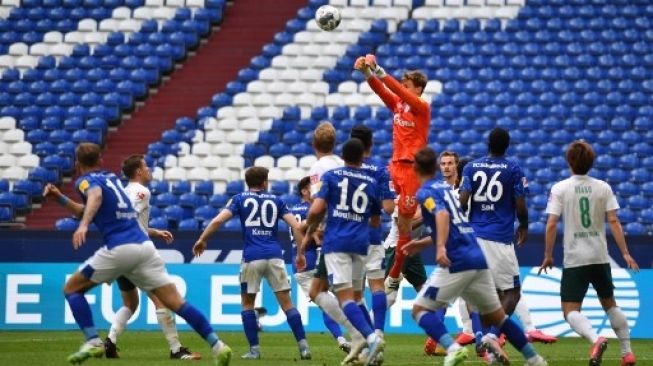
(386, 191)
(352, 196)
(494, 184)
(116, 218)
(259, 213)
(462, 248)
(300, 211)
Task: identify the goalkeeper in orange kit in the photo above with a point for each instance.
(410, 130)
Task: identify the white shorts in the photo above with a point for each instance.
(304, 280)
(502, 261)
(273, 270)
(345, 270)
(474, 286)
(140, 263)
(374, 262)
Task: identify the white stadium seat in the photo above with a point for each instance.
(109, 25)
(164, 13)
(26, 62)
(209, 123)
(233, 162)
(61, 49)
(265, 161)
(269, 112)
(15, 135)
(242, 99)
(221, 174)
(188, 161)
(251, 124)
(29, 161)
(39, 49)
(294, 175)
(319, 88)
(154, 3)
(53, 37)
(130, 25)
(87, 25)
(198, 174)
(223, 149)
(246, 112)
(237, 137)
(303, 37)
(7, 123)
(6, 61)
(184, 149)
(226, 112)
(307, 161)
(284, 99)
(74, 38)
(195, 3)
(7, 160)
(287, 162)
(175, 174)
(268, 74)
(20, 148)
(291, 49)
(201, 149)
(175, 3)
(312, 75)
(228, 124)
(96, 38)
(157, 173)
(18, 49)
(289, 74)
(214, 136)
(212, 162)
(14, 173)
(143, 13)
(348, 87)
(256, 87)
(170, 161)
(275, 174)
(276, 87)
(260, 100)
(122, 12)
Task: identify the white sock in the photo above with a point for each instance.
(168, 325)
(342, 340)
(464, 317)
(619, 323)
(581, 325)
(119, 323)
(329, 304)
(524, 315)
(453, 348)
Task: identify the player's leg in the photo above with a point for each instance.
(443, 287)
(602, 282)
(320, 295)
(168, 325)
(375, 272)
(74, 289)
(344, 271)
(533, 334)
(277, 278)
(251, 274)
(467, 335)
(406, 184)
(130, 300)
(149, 274)
(492, 313)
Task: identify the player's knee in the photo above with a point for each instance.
(418, 312)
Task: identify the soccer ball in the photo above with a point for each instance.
(327, 17)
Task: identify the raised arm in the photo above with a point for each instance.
(75, 208)
(618, 234)
(417, 104)
(388, 97)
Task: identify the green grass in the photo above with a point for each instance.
(149, 348)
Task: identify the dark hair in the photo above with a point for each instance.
(417, 77)
(450, 153)
(303, 184)
(498, 141)
(87, 154)
(580, 157)
(364, 134)
(352, 151)
(426, 161)
(256, 176)
(131, 165)
(324, 137)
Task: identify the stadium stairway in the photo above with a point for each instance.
(190, 87)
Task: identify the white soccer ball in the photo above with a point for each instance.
(327, 17)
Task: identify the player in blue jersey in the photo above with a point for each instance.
(494, 189)
(127, 252)
(349, 197)
(462, 271)
(375, 259)
(259, 212)
(312, 253)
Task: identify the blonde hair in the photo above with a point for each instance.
(324, 138)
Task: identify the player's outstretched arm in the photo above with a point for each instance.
(295, 226)
(93, 203)
(164, 235)
(215, 224)
(417, 104)
(522, 216)
(75, 208)
(388, 97)
(550, 235)
(415, 246)
(620, 239)
(442, 228)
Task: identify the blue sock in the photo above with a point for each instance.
(357, 318)
(198, 322)
(477, 327)
(332, 326)
(517, 338)
(295, 322)
(379, 307)
(434, 327)
(441, 312)
(366, 314)
(82, 314)
(250, 326)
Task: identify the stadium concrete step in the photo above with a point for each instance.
(248, 25)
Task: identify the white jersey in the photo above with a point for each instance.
(139, 196)
(321, 166)
(583, 202)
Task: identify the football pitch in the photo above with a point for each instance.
(278, 349)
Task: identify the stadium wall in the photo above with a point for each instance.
(35, 265)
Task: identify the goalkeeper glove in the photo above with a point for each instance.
(370, 61)
(362, 67)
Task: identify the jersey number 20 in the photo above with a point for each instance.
(254, 219)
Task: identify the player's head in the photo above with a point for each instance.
(364, 134)
(415, 81)
(135, 169)
(324, 138)
(425, 164)
(87, 157)
(498, 141)
(352, 152)
(256, 177)
(304, 188)
(580, 157)
(448, 164)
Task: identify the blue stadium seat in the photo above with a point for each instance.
(235, 187)
(205, 213)
(232, 225)
(180, 187)
(204, 188)
(279, 188)
(635, 228)
(191, 200)
(159, 223)
(188, 225)
(174, 214)
(218, 201)
(166, 199)
(66, 224)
